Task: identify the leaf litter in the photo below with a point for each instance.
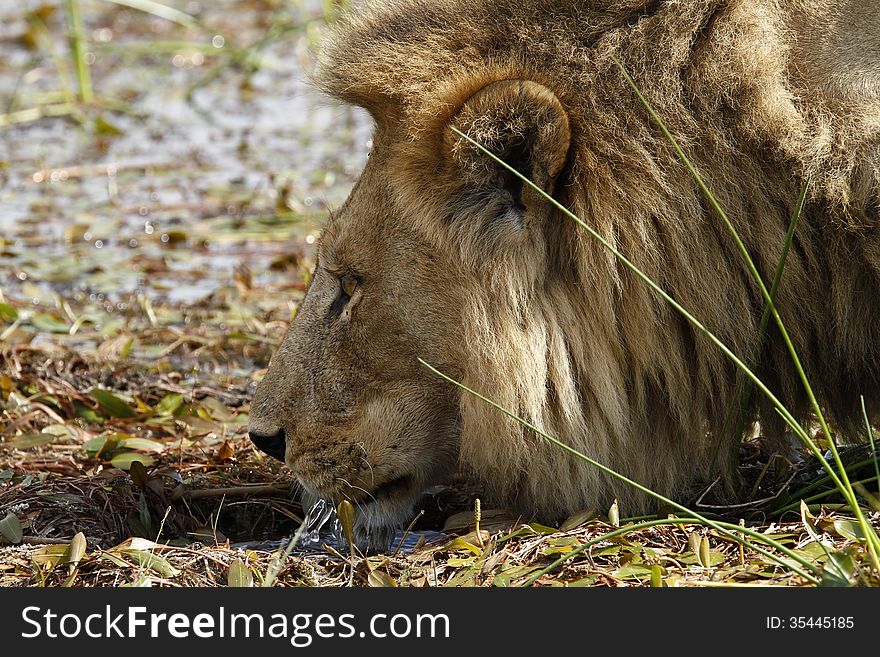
(152, 249)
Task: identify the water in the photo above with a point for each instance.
(164, 193)
(324, 529)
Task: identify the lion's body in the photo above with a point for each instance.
(761, 94)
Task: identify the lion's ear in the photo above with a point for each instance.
(521, 122)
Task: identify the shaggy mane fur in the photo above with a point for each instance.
(763, 95)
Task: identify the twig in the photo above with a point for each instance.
(235, 491)
(38, 540)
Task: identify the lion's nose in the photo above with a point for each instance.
(273, 445)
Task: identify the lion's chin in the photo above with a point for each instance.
(377, 524)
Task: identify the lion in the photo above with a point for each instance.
(441, 254)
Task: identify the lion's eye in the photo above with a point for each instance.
(349, 284)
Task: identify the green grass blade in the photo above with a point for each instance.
(743, 395)
(820, 496)
(161, 11)
(818, 483)
(870, 439)
(77, 39)
(281, 555)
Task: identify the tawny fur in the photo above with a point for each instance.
(763, 95)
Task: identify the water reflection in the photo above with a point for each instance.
(322, 528)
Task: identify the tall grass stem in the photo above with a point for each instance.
(77, 49)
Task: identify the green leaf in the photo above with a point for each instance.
(607, 551)
(562, 545)
(461, 544)
(215, 409)
(466, 577)
(143, 444)
(151, 561)
(838, 570)
(49, 323)
(126, 349)
(345, 513)
(10, 528)
(141, 550)
(809, 521)
(112, 404)
(27, 440)
(240, 576)
(49, 400)
(124, 460)
(614, 515)
(656, 576)
(58, 430)
(813, 551)
(505, 577)
(105, 127)
(714, 557)
(50, 555)
(86, 413)
(637, 571)
(101, 446)
(8, 313)
(461, 562)
(538, 528)
(170, 404)
(705, 559)
(849, 529)
(578, 519)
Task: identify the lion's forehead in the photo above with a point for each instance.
(374, 234)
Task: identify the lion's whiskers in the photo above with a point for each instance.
(350, 485)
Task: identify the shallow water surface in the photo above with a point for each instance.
(322, 528)
(202, 152)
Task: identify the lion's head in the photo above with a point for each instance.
(346, 403)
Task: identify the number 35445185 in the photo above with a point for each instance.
(810, 622)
